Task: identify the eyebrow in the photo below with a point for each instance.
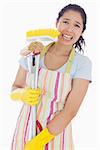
(75, 21)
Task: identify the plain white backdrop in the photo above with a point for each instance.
(16, 18)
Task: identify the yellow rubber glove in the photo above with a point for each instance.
(38, 142)
(27, 95)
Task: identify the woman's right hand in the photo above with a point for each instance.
(33, 47)
(27, 95)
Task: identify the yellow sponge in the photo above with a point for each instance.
(42, 33)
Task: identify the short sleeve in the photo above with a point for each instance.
(23, 62)
(84, 68)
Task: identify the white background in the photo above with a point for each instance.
(16, 17)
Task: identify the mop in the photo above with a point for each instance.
(41, 35)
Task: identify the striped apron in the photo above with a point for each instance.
(55, 87)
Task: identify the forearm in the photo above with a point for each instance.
(72, 105)
(60, 122)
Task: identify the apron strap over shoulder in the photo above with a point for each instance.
(70, 61)
(45, 49)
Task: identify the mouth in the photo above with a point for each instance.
(67, 37)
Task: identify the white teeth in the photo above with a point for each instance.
(67, 37)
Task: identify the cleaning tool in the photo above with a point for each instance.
(42, 35)
(34, 83)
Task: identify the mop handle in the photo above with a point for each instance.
(32, 128)
(37, 58)
(34, 84)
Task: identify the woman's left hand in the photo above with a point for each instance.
(32, 145)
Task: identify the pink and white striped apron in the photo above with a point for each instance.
(55, 87)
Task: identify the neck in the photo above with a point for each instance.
(61, 50)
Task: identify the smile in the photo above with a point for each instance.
(67, 37)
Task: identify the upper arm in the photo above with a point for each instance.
(20, 80)
(77, 94)
(80, 83)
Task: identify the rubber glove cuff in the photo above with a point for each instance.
(40, 140)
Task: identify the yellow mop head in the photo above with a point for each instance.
(42, 34)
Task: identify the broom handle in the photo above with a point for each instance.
(37, 58)
(34, 84)
(34, 110)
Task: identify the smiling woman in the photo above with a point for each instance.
(64, 77)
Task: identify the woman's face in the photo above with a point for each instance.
(70, 25)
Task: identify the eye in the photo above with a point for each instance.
(76, 25)
(66, 22)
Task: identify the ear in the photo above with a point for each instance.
(81, 34)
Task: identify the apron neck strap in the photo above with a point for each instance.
(70, 60)
(45, 49)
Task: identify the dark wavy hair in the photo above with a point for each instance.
(79, 9)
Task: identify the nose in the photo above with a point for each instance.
(70, 28)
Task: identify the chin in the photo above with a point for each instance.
(66, 43)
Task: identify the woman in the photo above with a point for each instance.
(64, 77)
